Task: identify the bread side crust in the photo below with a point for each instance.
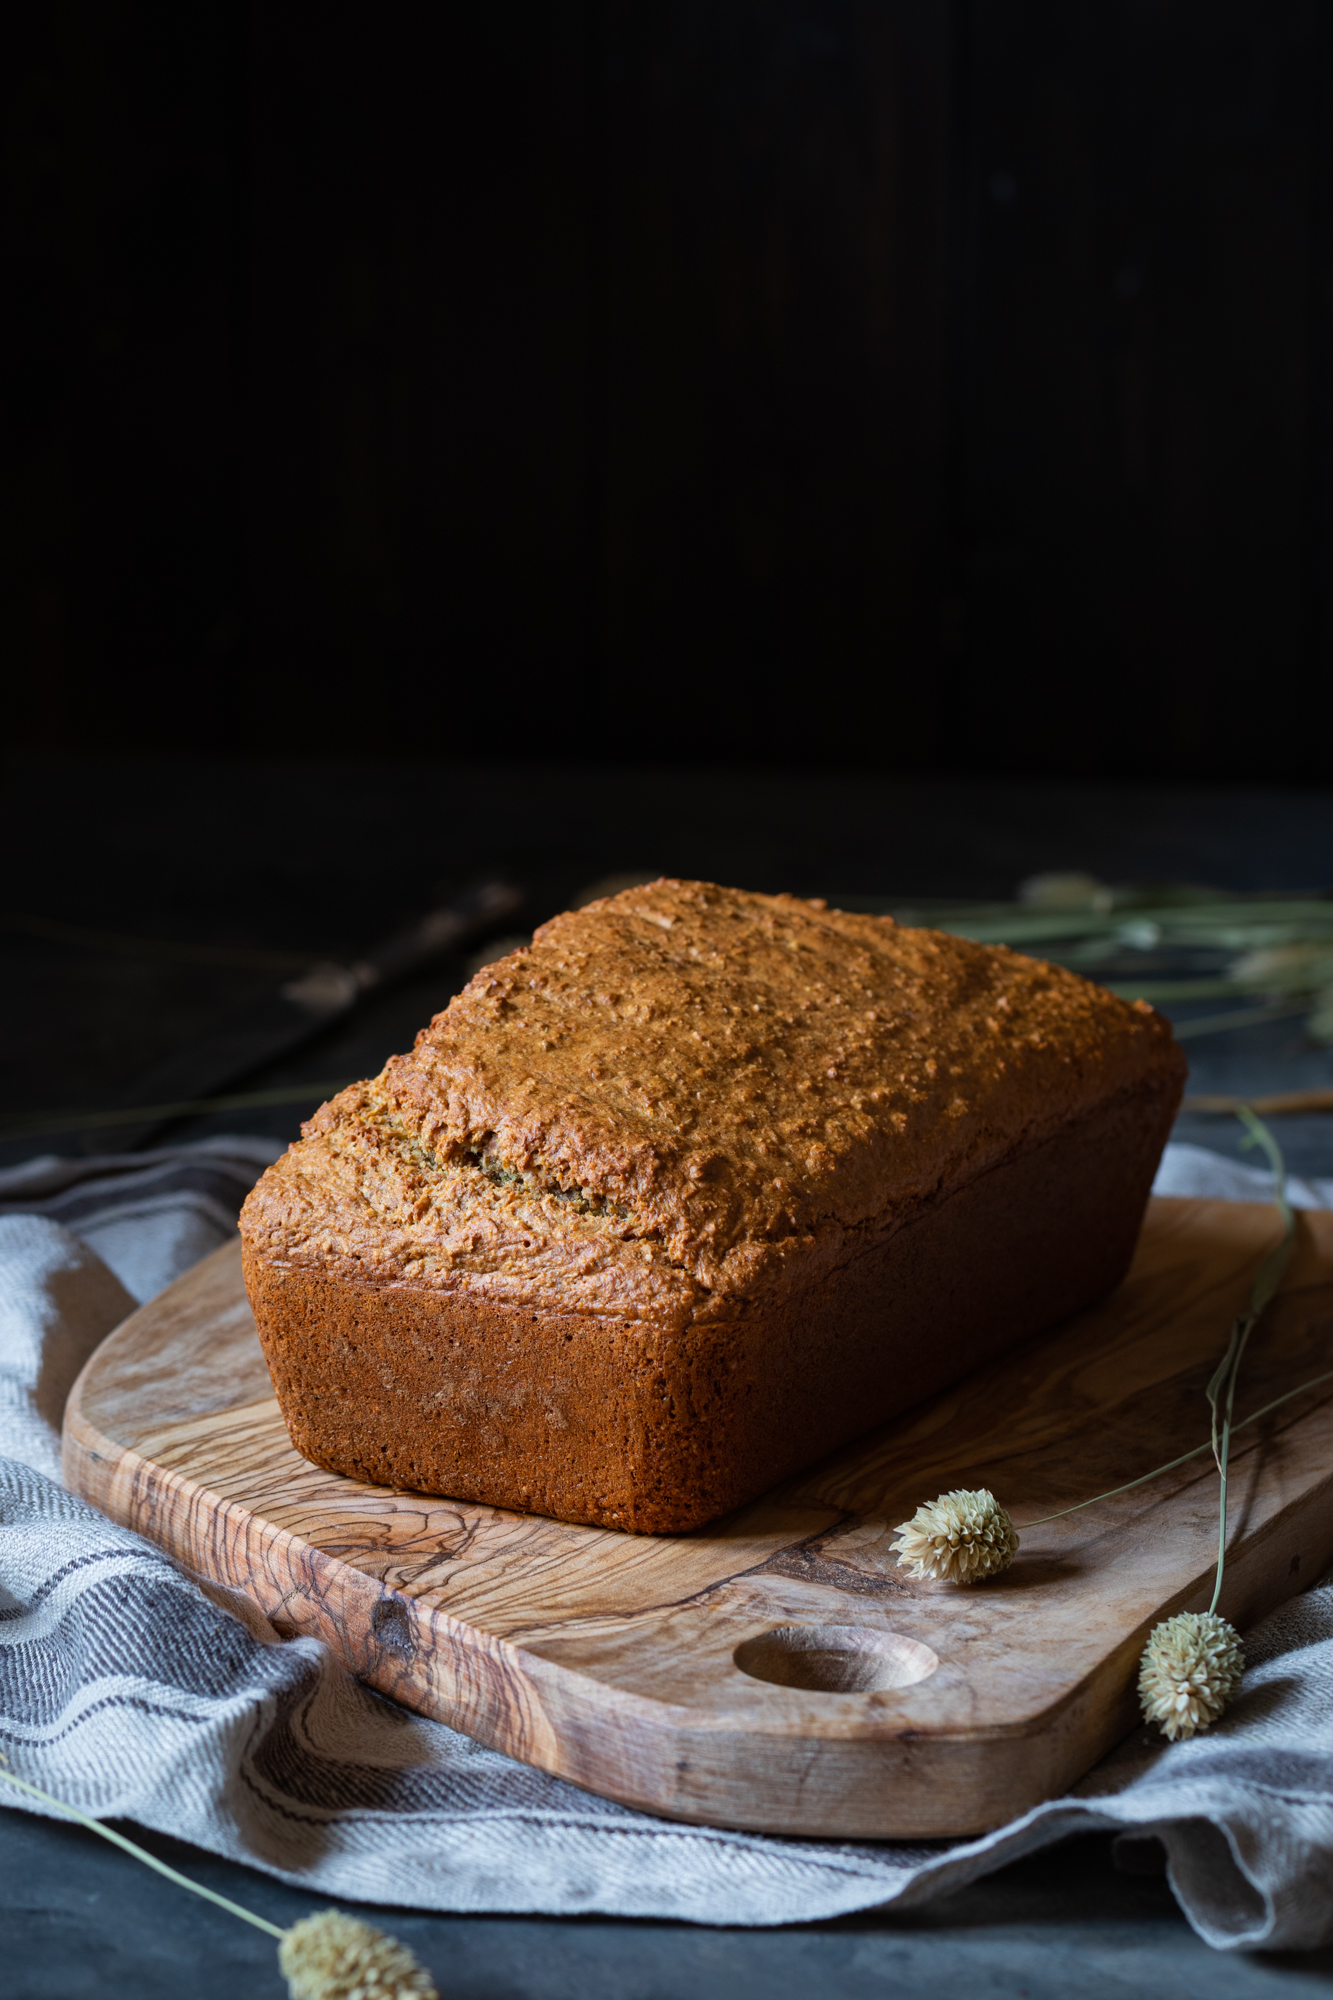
(658, 1428)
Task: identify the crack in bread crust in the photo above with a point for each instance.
(685, 1097)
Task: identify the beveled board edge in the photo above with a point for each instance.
(642, 1752)
(645, 1752)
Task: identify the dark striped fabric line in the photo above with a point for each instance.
(215, 1172)
(149, 1216)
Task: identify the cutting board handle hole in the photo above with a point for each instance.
(835, 1659)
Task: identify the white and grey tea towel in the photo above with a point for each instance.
(128, 1690)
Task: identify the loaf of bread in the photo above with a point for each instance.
(696, 1188)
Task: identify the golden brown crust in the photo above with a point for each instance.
(685, 1099)
(658, 1427)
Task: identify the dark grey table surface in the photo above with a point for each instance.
(326, 858)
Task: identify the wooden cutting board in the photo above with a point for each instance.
(776, 1671)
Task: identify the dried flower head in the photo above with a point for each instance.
(1190, 1669)
(962, 1536)
(1286, 968)
(334, 1957)
(1302, 969)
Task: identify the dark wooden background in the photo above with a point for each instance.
(881, 383)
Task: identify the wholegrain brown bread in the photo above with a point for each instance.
(694, 1189)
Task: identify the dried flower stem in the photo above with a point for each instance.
(1193, 1662)
(142, 1854)
(1282, 1104)
(1266, 1281)
(1184, 1458)
(329, 1956)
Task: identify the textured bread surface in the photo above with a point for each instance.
(646, 1176)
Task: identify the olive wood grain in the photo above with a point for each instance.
(776, 1670)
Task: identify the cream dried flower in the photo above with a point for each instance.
(1190, 1669)
(334, 1957)
(1286, 968)
(962, 1536)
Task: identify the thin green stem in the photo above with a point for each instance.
(1183, 1459)
(141, 1854)
(1221, 1515)
(1128, 1487)
(1266, 1281)
(1286, 1397)
(1278, 1401)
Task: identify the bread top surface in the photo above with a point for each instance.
(683, 1095)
